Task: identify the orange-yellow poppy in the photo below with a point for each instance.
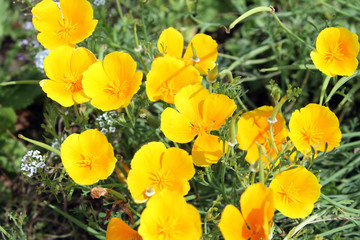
(67, 24)
(336, 52)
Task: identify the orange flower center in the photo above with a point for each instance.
(118, 88)
(168, 90)
(73, 82)
(198, 129)
(66, 29)
(334, 53)
(288, 193)
(257, 233)
(86, 161)
(165, 228)
(312, 135)
(161, 179)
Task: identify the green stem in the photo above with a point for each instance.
(116, 194)
(129, 116)
(118, 6)
(290, 67)
(5, 232)
(302, 225)
(339, 205)
(29, 3)
(77, 222)
(76, 110)
(340, 83)
(272, 120)
(35, 82)
(249, 13)
(323, 89)
(291, 33)
(66, 121)
(342, 12)
(101, 52)
(40, 144)
(261, 165)
(228, 74)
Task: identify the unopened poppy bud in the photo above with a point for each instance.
(212, 74)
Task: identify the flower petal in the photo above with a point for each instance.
(167, 76)
(190, 101)
(117, 229)
(168, 216)
(257, 207)
(57, 63)
(232, 224)
(119, 66)
(46, 16)
(178, 163)
(88, 157)
(58, 92)
(295, 192)
(171, 42)
(207, 150)
(81, 60)
(81, 21)
(217, 108)
(206, 50)
(176, 127)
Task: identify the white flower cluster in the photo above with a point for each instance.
(106, 123)
(32, 162)
(39, 59)
(99, 2)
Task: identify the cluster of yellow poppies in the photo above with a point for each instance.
(160, 176)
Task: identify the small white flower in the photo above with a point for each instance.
(39, 59)
(101, 124)
(109, 122)
(112, 129)
(99, 2)
(104, 131)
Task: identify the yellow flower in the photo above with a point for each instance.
(314, 125)
(117, 229)
(67, 25)
(113, 83)
(64, 66)
(295, 192)
(88, 157)
(255, 218)
(167, 216)
(253, 128)
(336, 52)
(154, 168)
(170, 73)
(171, 42)
(207, 150)
(167, 76)
(198, 113)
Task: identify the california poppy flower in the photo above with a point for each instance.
(64, 67)
(314, 126)
(88, 157)
(253, 127)
(155, 168)
(67, 24)
(167, 216)
(336, 52)
(111, 84)
(295, 192)
(255, 218)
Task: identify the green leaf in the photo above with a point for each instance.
(7, 118)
